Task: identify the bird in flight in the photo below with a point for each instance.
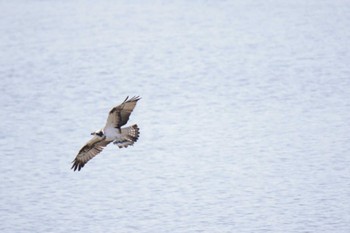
(112, 132)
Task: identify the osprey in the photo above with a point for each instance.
(112, 132)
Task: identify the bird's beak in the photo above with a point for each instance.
(93, 133)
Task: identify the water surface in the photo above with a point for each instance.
(244, 116)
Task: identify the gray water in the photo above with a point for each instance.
(244, 116)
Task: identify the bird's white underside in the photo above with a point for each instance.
(112, 133)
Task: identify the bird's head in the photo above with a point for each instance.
(98, 133)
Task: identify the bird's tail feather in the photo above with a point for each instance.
(129, 136)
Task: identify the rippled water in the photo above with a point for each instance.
(244, 116)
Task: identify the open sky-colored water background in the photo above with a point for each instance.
(244, 117)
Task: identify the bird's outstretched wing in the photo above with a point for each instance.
(90, 150)
(120, 114)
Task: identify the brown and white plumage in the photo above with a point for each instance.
(112, 132)
(90, 150)
(120, 114)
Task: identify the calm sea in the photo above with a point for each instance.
(244, 116)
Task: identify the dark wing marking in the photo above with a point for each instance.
(120, 114)
(87, 152)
